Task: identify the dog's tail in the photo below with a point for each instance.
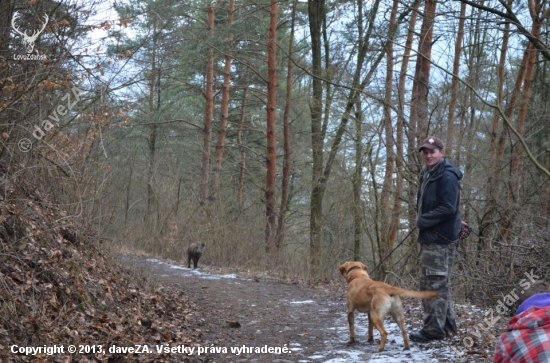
(417, 294)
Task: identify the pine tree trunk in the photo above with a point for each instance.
(242, 163)
(208, 114)
(270, 228)
(485, 230)
(222, 126)
(285, 183)
(316, 9)
(419, 102)
(152, 133)
(514, 198)
(455, 81)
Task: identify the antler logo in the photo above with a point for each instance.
(29, 40)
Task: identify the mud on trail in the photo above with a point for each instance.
(252, 320)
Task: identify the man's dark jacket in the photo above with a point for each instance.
(438, 204)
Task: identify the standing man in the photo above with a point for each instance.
(439, 224)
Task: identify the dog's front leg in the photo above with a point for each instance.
(370, 336)
(351, 322)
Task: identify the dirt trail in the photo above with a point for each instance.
(303, 324)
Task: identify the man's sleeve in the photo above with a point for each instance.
(500, 351)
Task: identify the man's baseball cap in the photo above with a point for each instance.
(432, 143)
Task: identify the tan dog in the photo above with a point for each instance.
(376, 299)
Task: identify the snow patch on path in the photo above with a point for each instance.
(187, 272)
(184, 271)
(338, 351)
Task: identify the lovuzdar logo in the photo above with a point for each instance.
(28, 40)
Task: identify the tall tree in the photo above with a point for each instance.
(419, 115)
(271, 215)
(513, 192)
(321, 173)
(222, 125)
(316, 13)
(490, 208)
(209, 94)
(357, 187)
(242, 162)
(401, 160)
(154, 88)
(287, 159)
(419, 100)
(388, 235)
(455, 80)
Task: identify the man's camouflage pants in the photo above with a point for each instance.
(437, 262)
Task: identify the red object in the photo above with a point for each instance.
(527, 339)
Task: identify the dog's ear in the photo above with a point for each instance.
(343, 269)
(364, 267)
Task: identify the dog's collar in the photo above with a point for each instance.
(353, 268)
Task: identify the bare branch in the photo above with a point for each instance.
(510, 16)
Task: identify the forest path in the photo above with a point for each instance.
(253, 319)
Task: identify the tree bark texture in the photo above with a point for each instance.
(208, 113)
(287, 159)
(270, 228)
(224, 118)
